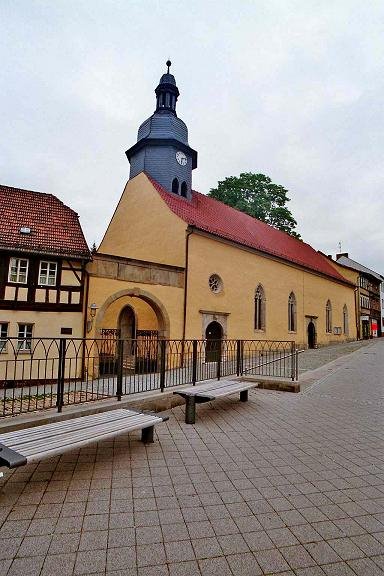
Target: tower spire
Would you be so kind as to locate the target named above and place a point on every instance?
(167, 92)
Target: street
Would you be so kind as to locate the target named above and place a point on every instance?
(289, 484)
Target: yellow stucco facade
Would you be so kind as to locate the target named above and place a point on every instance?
(153, 263)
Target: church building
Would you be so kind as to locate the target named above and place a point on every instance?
(177, 264)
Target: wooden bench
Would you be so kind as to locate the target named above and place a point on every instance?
(210, 391)
(30, 444)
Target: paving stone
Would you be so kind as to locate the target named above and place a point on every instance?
(97, 540)
(297, 556)
(322, 553)
(90, 561)
(179, 553)
(125, 557)
(207, 548)
(365, 567)
(214, 567)
(339, 569)
(26, 566)
(244, 564)
(282, 537)
(9, 547)
(271, 561)
(190, 568)
(62, 564)
(258, 541)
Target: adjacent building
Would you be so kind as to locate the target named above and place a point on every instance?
(367, 296)
(43, 255)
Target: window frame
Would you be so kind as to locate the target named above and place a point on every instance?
(3, 337)
(24, 337)
(259, 321)
(328, 317)
(49, 264)
(292, 313)
(14, 262)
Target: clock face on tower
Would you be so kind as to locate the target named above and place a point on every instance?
(181, 158)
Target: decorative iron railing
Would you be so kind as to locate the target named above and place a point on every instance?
(36, 374)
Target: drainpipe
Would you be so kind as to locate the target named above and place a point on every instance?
(357, 312)
(188, 234)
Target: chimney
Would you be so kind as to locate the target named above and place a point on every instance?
(342, 254)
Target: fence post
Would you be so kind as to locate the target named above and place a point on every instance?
(293, 361)
(119, 360)
(162, 364)
(239, 357)
(194, 361)
(61, 374)
(218, 368)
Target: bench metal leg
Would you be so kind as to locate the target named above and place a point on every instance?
(147, 435)
(190, 410)
(244, 396)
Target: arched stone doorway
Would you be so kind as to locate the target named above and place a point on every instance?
(140, 320)
(154, 303)
(213, 336)
(311, 330)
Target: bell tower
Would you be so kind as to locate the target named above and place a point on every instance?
(162, 149)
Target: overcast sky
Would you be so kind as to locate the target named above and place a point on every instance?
(289, 88)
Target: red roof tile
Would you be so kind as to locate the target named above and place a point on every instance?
(55, 228)
(210, 215)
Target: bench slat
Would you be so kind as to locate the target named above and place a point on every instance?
(215, 391)
(73, 424)
(39, 444)
(52, 439)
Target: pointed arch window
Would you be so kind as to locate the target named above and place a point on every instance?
(345, 320)
(184, 189)
(259, 323)
(292, 321)
(328, 317)
(175, 186)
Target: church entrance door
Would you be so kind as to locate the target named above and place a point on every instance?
(214, 336)
(127, 328)
(311, 335)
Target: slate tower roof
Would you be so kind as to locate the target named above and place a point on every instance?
(162, 149)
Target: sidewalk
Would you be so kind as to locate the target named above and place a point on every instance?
(285, 484)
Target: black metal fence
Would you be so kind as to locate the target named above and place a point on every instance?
(37, 374)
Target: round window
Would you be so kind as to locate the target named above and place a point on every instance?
(215, 283)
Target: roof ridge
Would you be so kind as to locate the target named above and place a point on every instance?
(215, 217)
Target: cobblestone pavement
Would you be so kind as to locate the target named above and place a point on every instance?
(284, 484)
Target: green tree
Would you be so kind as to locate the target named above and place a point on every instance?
(258, 196)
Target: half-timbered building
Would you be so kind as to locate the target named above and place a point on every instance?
(43, 254)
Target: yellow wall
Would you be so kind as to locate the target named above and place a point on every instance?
(241, 272)
(144, 228)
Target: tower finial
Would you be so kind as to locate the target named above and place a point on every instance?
(168, 64)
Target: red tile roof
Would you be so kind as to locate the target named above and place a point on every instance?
(55, 228)
(212, 216)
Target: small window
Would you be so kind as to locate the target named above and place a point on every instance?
(3, 336)
(184, 189)
(292, 312)
(215, 283)
(175, 186)
(18, 270)
(24, 337)
(328, 317)
(47, 273)
(259, 320)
